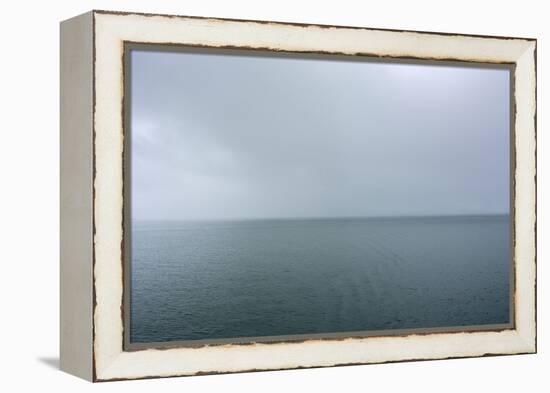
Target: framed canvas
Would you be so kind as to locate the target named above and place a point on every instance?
(243, 195)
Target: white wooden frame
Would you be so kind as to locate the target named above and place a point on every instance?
(92, 48)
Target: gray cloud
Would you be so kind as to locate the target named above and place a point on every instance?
(220, 136)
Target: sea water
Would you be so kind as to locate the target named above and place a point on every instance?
(249, 278)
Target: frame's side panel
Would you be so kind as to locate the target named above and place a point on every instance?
(76, 177)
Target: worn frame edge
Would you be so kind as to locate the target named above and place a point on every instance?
(526, 341)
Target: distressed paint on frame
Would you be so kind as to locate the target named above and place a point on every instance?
(116, 364)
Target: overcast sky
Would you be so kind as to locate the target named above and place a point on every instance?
(219, 136)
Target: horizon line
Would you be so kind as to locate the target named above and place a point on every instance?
(297, 218)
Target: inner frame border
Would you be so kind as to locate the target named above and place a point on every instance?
(129, 46)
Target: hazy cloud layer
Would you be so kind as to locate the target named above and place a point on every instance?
(218, 136)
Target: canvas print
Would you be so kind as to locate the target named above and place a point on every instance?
(275, 196)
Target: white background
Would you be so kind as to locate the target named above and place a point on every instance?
(29, 204)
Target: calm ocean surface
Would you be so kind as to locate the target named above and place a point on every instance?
(226, 279)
